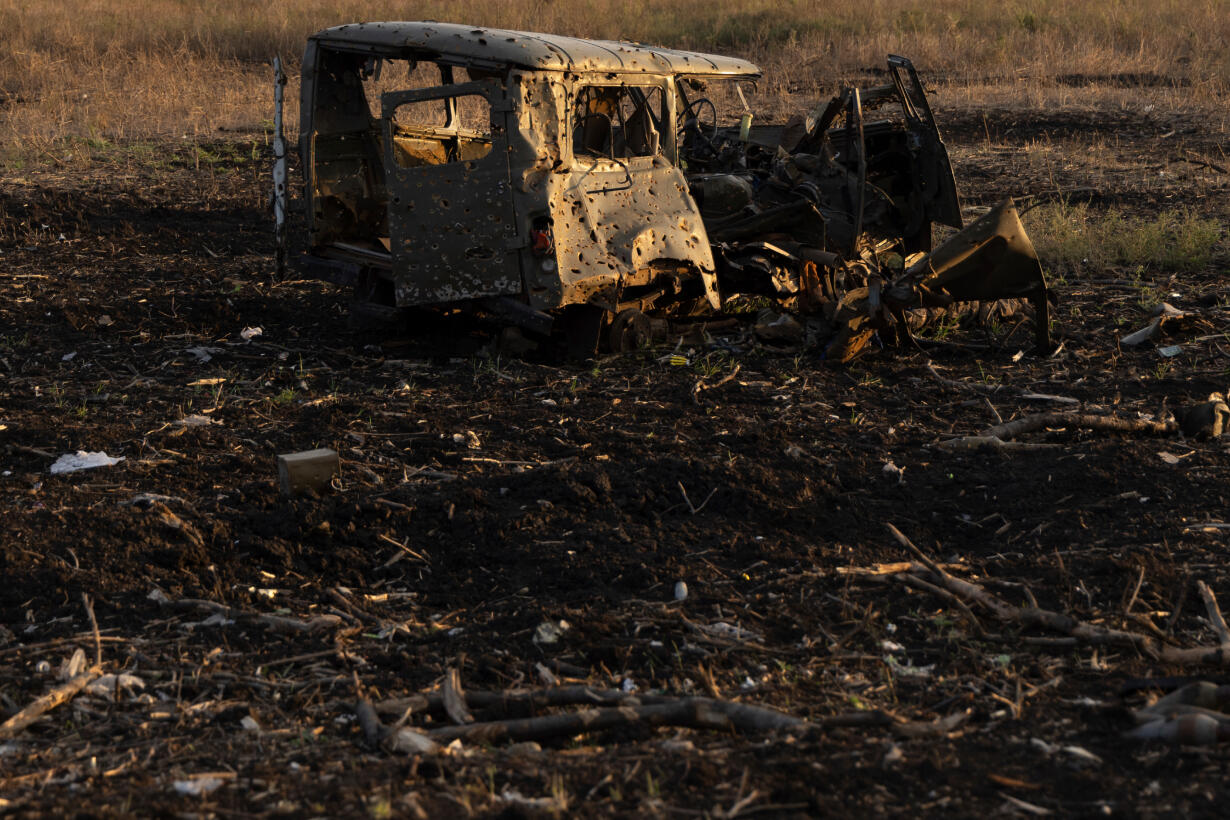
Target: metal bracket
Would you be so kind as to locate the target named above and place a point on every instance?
(280, 193)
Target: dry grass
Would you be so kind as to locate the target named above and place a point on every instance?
(1075, 238)
(151, 69)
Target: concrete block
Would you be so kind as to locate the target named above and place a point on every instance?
(309, 470)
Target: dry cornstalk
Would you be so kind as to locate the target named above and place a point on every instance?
(1000, 437)
(694, 713)
(702, 385)
(276, 623)
(1215, 616)
(89, 610)
(1191, 715)
(60, 695)
(918, 583)
(980, 387)
(522, 703)
(454, 699)
(1081, 631)
(1085, 421)
(373, 730)
(974, 443)
(607, 709)
(972, 387)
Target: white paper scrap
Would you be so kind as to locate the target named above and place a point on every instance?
(81, 460)
(198, 787)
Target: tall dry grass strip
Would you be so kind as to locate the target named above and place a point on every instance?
(151, 69)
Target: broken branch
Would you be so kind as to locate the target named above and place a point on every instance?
(972, 443)
(701, 385)
(89, 610)
(277, 623)
(1215, 616)
(919, 554)
(454, 699)
(60, 695)
(694, 713)
(918, 583)
(973, 387)
(1086, 421)
(1083, 632)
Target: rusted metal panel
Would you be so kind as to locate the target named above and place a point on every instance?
(617, 220)
(280, 192)
(452, 232)
(544, 52)
(615, 228)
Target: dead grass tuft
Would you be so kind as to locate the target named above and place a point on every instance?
(1075, 238)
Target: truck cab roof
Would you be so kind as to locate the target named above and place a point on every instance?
(543, 52)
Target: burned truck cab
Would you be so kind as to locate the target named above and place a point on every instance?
(600, 191)
(520, 173)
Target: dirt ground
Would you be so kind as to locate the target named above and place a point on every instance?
(483, 496)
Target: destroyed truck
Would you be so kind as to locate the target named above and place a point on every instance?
(600, 191)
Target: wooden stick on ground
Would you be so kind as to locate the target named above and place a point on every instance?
(454, 698)
(980, 387)
(695, 713)
(89, 610)
(1000, 437)
(1086, 421)
(918, 583)
(522, 703)
(1215, 616)
(60, 695)
(277, 623)
(702, 385)
(901, 539)
(972, 443)
(373, 730)
(972, 387)
(1086, 633)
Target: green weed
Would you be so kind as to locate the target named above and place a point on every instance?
(1078, 238)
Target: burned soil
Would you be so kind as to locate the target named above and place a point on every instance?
(484, 499)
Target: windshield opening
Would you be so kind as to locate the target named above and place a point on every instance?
(618, 122)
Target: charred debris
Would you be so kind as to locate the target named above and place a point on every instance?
(588, 191)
